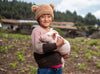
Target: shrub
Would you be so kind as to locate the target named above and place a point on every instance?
(58, 30)
(94, 43)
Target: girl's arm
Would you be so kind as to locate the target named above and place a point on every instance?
(49, 47)
(52, 46)
(40, 47)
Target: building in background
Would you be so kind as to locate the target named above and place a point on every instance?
(67, 27)
(69, 24)
(26, 26)
(22, 26)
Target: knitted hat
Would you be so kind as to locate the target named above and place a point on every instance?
(43, 9)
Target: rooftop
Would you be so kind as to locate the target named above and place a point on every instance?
(63, 23)
(18, 21)
(64, 27)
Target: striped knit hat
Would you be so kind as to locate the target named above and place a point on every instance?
(43, 9)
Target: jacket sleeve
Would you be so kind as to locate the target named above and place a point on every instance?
(49, 47)
(40, 47)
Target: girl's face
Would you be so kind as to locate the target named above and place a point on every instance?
(45, 20)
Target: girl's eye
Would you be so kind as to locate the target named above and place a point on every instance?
(42, 16)
(49, 16)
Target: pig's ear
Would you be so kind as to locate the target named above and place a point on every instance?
(54, 34)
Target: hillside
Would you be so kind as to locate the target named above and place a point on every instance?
(22, 10)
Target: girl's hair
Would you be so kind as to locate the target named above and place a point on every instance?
(38, 20)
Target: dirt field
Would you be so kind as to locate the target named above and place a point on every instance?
(16, 55)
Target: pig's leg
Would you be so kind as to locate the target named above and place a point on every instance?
(63, 62)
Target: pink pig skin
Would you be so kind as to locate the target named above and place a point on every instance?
(49, 38)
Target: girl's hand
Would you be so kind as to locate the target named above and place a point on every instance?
(60, 41)
(66, 56)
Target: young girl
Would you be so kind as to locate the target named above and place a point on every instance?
(48, 60)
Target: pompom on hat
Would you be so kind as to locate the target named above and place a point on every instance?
(42, 9)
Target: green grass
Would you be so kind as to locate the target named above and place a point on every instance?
(98, 64)
(94, 43)
(75, 47)
(88, 56)
(14, 65)
(81, 66)
(15, 36)
(20, 56)
(4, 49)
(34, 69)
(74, 55)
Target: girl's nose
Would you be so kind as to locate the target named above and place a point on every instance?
(46, 17)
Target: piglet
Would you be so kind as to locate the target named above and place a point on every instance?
(51, 37)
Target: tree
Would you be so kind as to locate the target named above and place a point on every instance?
(21, 10)
(0, 0)
(90, 19)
